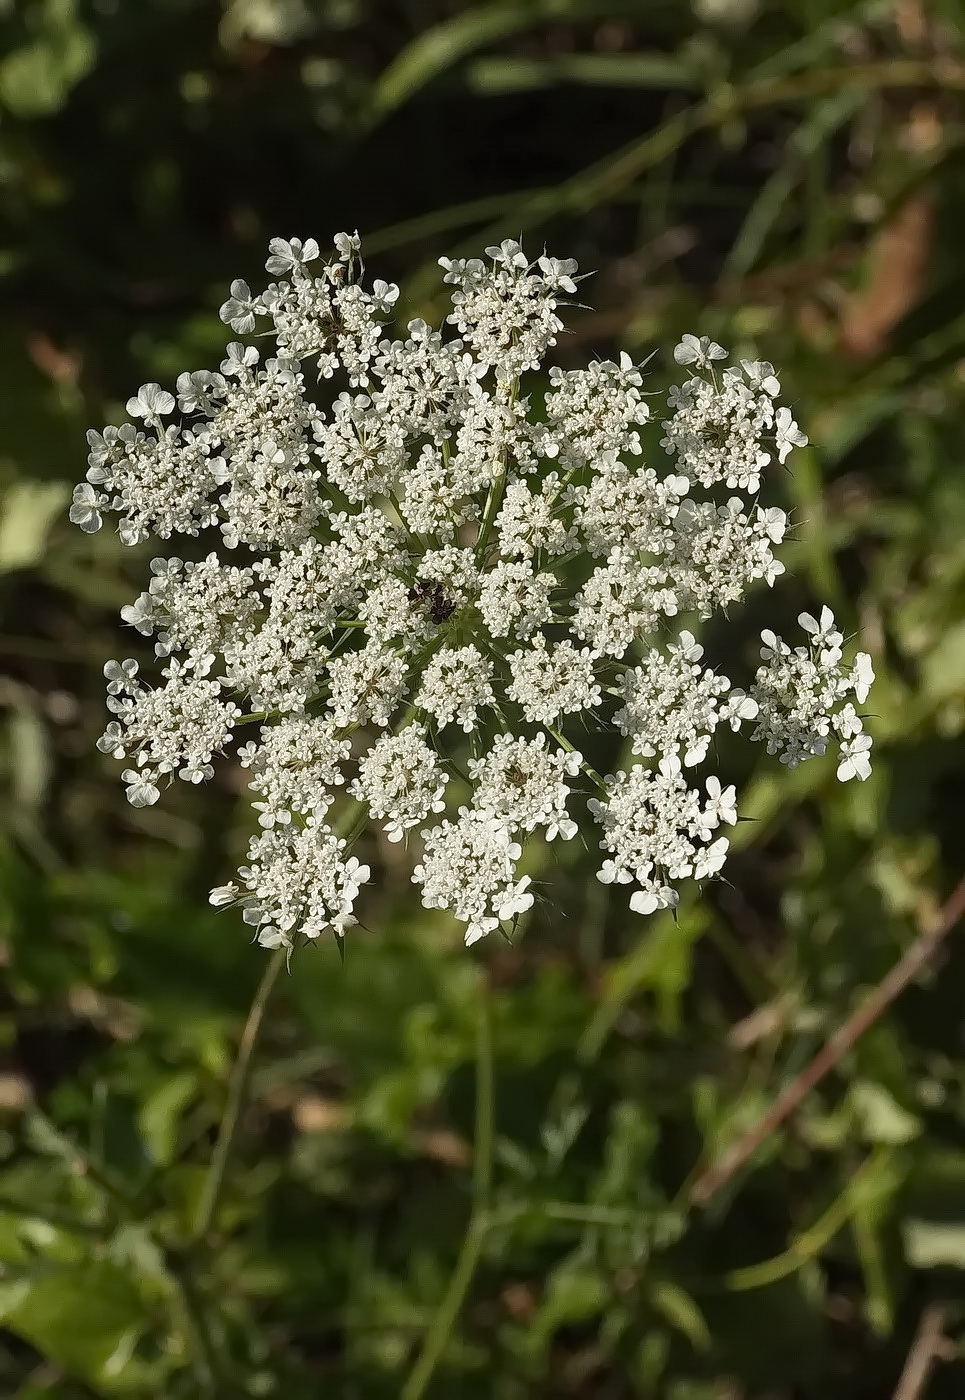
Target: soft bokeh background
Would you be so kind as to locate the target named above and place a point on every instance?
(786, 175)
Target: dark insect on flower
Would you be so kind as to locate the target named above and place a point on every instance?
(423, 588)
(440, 607)
(426, 591)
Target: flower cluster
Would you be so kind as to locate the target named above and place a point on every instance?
(432, 564)
(797, 693)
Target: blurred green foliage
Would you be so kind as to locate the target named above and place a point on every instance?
(786, 175)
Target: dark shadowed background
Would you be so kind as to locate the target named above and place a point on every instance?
(786, 175)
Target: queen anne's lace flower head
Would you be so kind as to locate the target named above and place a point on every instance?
(430, 570)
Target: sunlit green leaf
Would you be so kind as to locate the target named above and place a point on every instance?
(85, 1319)
(36, 79)
(934, 1244)
(26, 513)
(882, 1119)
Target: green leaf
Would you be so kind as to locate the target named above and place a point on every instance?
(29, 508)
(880, 1116)
(160, 1114)
(36, 79)
(574, 1293)
(943, 670)
(85, 1319)
(681, 1312)
(933, 1244)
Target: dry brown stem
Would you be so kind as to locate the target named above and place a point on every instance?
(908, 966)
(930, 1345)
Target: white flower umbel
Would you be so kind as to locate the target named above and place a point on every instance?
(672, 703)
(455, 685)
(402, 780)
(799, 692)
(298, 878)
(434, 576)
(469, 866)
(292, 766)
(521, 781)
(657, 829)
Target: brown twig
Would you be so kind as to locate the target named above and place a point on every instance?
(928, 1347)
(892, 985)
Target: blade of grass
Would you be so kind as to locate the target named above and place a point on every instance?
(439, 220)
(830, 113)
(818, 42)
(438, 49)
(605, 179)
(874, 1178)
(501, 74)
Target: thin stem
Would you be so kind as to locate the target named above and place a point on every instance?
(237, 1091)
(497, 490)
(482, 1161)
(493, 502)
(907, 967)
(812, 1241)
(206, 1358)
(191, 1311)
(591, 773)
(482, 1170)
(930, 1345)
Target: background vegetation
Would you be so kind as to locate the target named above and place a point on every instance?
(786, 175)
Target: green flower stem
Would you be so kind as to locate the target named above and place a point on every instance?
(253, 718)
(482, 1170)
(237, 1092)
(482, 1166)
(493, 502)
(494, 499)
(191, 1313)
(352, 827)
(571, 748)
